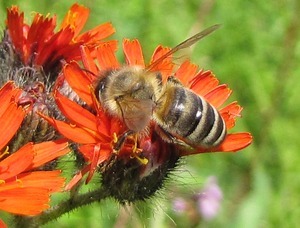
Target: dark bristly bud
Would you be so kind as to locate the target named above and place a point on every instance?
(129, 180)
(37, 88)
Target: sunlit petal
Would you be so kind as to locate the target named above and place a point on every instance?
(88, 62)
(16, 162)
(235, 142)
(78, 80)
(185, 72)
(15, 24)
(204, 82)
(106, 57)
(47, 151)
(24, 201)
(230, 113)
(165, 67)
(11, 120)
(73, 132)
(73, 111)
(76, 18)
(218, 96)
(98, 33)
(133, 53)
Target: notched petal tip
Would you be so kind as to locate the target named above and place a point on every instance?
(186, 71)
(230, 113)
(218, 95)
(133, 52)
(76, 17)
(106, 57)
(203, 82)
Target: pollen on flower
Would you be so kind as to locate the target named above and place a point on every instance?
(115, 137)
(4, 153)
(19, 182)
(143, 161)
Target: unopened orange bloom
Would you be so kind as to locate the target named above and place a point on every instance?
(22, 190)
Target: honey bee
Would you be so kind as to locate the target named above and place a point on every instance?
(137, 96)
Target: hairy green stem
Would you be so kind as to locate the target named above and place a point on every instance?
(74, 202)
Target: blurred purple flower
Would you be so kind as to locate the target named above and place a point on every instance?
(209, 199)
(179, 205)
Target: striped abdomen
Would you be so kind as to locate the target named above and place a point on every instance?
(184, 114)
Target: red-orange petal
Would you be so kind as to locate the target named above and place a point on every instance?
(56, 47)
(185, 72)
(88, 62)
(204, 82)
(230, 113)
(232, 143)
(88, 151)
(218, 96)
(106, 57)
(235, 142)
(94, 162)
(50, 180)
(47, 151)
(16, 162)
(40, 31)
(96, 34)
(6, 96)
(79, 82)
(15, 24)
(76, 18)
(24, 201)
(78, 176)
(233, 108)
(133, 52)
(165, 66)
(72, 132)
(2, 224)
(10, 120)
(76, 113)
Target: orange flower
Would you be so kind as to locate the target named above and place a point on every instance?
(203, 83)
(98, 132)
(22, 190)
(38, 43)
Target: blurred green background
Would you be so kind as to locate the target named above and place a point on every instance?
(257, 53)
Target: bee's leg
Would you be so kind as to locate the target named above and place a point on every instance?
(172, 79)
(120, 141)
(136, 152)
(166, 136)
(169, 138)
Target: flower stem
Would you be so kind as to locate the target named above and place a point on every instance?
(62, 208)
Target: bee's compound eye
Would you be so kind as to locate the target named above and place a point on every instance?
(101, 86)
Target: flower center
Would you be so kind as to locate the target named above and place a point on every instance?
(127, 145)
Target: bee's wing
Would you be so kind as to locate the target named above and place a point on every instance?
(187, 43)
(136, 113)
